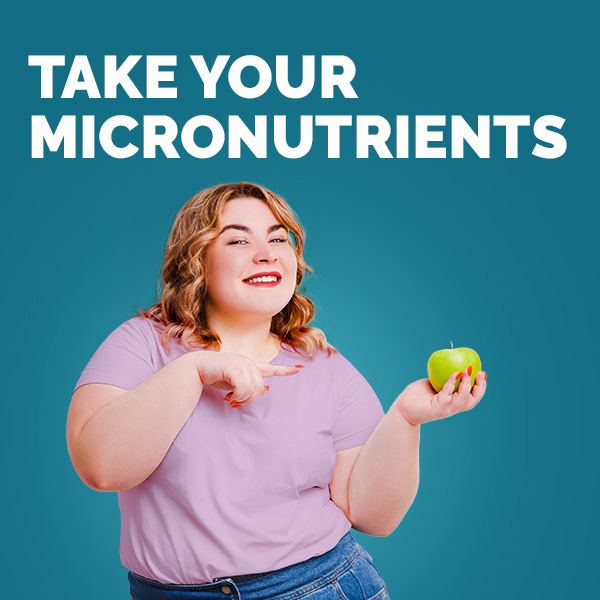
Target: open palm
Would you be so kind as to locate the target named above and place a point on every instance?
(419, 403)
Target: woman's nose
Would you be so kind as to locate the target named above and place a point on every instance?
(265, 253)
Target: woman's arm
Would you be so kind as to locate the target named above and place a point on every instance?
(385, 477)
(126, 438)
(116, 439)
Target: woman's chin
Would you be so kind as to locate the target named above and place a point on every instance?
(267, 307)
(253, 313)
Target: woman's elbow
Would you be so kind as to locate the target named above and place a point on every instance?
(85, 467)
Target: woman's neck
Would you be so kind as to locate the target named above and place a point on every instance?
(254, 341)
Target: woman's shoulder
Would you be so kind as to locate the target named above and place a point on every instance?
(138, 331)
(142, 326)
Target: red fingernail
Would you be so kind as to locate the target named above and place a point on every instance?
(228, 399)
(485, 375)
(299, 366)
(458, 375)
(470, 370)
(267, 388)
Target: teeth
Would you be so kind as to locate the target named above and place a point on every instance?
(262, 279)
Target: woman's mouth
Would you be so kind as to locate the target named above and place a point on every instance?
(264, 280)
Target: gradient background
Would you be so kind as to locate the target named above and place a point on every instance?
(498, 255)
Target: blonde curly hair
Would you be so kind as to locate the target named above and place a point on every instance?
(181, 309)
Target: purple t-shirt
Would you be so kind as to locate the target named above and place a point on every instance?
(241, 490)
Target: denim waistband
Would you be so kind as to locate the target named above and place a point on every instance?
(284, 584)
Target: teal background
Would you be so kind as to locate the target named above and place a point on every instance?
(499, 255)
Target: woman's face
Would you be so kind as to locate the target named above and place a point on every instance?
(251, 243)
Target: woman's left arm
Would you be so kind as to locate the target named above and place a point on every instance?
(384, 480)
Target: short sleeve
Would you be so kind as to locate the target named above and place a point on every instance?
(359, 410)
(124, 359)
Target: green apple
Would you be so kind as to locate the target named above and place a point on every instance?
(443, 363)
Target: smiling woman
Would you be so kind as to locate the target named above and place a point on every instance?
(256, 501)
(221, 237)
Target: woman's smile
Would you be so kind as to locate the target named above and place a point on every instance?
(270, 279)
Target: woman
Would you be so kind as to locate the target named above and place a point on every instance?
(243, 446)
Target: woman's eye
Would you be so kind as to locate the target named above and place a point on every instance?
(244, 242)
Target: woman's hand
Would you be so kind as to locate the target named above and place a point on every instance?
(239, 375)
(419, 403)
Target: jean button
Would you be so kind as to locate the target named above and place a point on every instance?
(226, 589)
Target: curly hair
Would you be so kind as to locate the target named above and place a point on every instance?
(182, 288)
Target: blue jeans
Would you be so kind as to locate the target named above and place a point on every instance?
(344, 573)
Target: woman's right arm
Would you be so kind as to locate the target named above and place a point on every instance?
(116, 438)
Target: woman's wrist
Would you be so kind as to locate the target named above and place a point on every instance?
(197, 360)
(398, 405)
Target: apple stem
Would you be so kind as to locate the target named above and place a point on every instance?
(451, 346)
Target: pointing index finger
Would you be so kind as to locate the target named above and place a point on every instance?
(268, 370)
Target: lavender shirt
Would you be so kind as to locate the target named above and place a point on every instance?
(241, 490)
